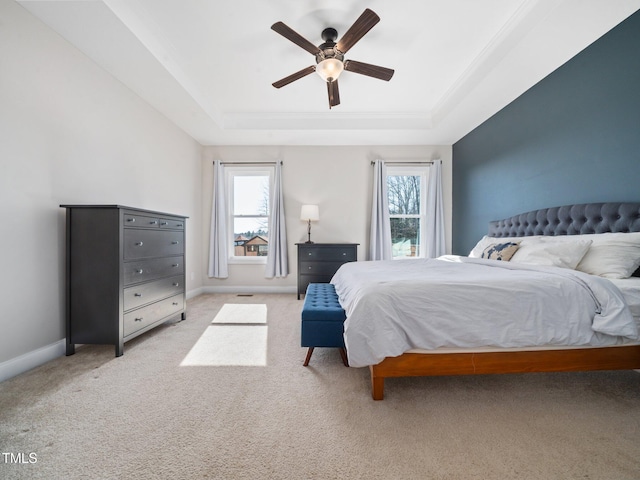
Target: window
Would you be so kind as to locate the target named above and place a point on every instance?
(407, 195)
(248, 194)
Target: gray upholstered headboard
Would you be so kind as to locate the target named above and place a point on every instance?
(577, 219)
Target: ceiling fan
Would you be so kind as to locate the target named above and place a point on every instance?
(330, 55)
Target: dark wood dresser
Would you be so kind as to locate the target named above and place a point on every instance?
(125, 273)
(317, 262)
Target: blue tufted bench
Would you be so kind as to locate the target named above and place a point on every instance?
(322, 320)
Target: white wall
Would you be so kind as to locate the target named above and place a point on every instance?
(337, 179)
(71, 133)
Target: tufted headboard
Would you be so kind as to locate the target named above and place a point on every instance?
(576, 219)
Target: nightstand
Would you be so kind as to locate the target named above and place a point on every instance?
(317, 262)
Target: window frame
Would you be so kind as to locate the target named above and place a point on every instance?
(422, 171)
(245, 171)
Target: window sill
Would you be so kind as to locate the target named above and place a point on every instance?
(247, 261)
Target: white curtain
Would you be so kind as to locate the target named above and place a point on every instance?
(435, 245)
(380, 236)
(277, 261)
(218, 240)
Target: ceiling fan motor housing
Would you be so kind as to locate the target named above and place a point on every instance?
(328, 48)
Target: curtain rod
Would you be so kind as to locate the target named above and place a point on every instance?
(426, 162)
(251, 163)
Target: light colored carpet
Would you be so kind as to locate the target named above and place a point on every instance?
(144, 416)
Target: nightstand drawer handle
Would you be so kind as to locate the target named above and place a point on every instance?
(309, 268)
(175, 303)
(175, 242)
(139, 244)
(131, 220)
(179, 225)
(140, 271)
(139, 319)
(137, 294)
(175, 265)
(176, 284)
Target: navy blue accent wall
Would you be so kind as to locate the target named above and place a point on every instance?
(572, 138)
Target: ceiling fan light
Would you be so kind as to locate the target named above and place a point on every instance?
(330, 68)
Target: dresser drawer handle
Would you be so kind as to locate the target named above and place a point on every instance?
(153, 222)
(175, 242)
(138, 319)
(179, 225)
(140, 271)
(175, 303)
(139, 244)
(175, 265)
(137, 294)
(176, 284)
(164, 223)
(344, 254)
(309, 268)
(131, 219)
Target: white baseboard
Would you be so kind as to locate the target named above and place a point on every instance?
(249, 289)
(27, 361)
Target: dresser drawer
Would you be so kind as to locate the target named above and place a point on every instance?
(145, 316)
(138, 271)
(338, 254)
(140, 221)
(144, 293)
(152, 243)
(172, 223)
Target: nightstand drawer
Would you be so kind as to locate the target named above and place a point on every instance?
(338, 254)
(319, 268)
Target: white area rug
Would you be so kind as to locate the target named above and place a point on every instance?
(230, 345)
(233, 313)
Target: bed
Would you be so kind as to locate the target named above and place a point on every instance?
(394, 342)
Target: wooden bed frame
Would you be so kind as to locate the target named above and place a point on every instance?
(425, 364)
(567, 220)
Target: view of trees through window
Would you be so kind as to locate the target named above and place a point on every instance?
(404, 195)
(250, 215)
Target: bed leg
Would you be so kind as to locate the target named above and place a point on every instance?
(377, 386)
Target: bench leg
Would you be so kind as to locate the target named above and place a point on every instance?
(343, 354)
(306, 360)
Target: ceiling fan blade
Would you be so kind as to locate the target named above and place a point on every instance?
(295, 37)
(295, 76)
(369, 70)
(334, 93)
(362, 25)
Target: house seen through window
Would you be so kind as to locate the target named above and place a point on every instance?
(407, 194)
(248, 196)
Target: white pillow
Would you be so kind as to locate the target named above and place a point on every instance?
(612, 255)
(550, 252)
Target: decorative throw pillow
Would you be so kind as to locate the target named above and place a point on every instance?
(500, 251)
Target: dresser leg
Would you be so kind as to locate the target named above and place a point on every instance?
(183, 316)
(71, 348)
(119, 349)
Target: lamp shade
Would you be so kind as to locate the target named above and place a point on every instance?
(310, 213)
(330, 68)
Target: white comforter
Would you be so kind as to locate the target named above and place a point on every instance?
(395, 306)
